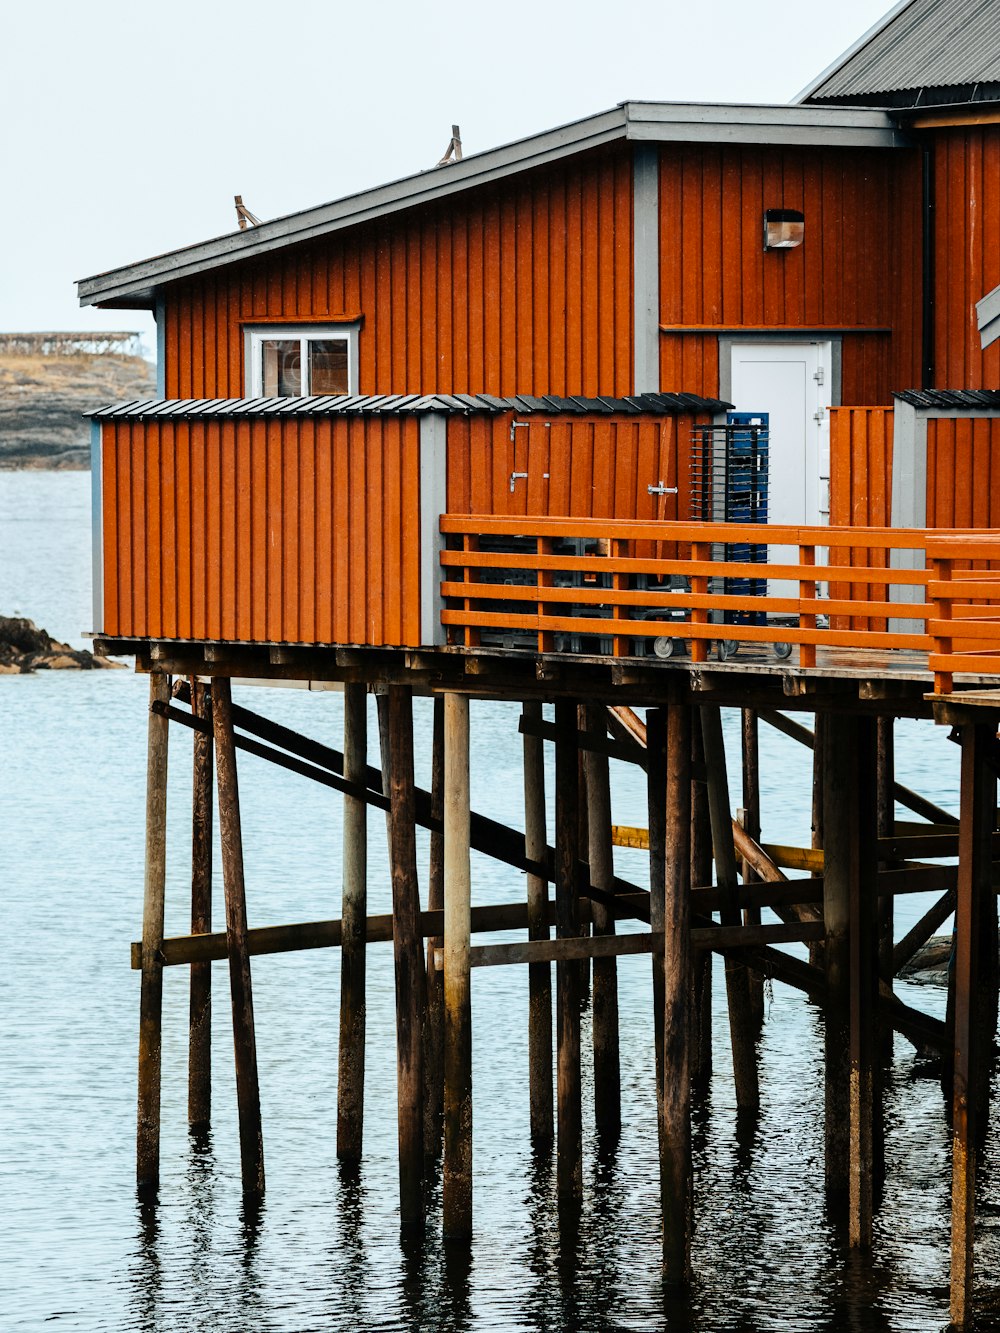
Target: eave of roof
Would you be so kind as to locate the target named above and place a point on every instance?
(988, 317)
(135, 285)
(409, 404)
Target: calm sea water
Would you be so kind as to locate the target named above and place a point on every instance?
(78, 1252)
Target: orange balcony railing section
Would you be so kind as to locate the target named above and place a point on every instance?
(547, 583)
(964, 590)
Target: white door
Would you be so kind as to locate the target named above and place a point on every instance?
(791, 382)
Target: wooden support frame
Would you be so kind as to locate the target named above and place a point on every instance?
(539, 974)
(408, 951)
(741, 1020)
(434, 1017)
(604, 996)
(457, 1182)
(244, 1038)
(569, 1127)
(351, 1048)
(975, 990)
(675, 1165)
(151, 988)
(200, 1001)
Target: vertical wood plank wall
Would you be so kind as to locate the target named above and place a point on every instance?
(288, 531)
(966, 253)
(524, 287)
(860, 495)
(597, 468)
(859, 264)
(963, 472)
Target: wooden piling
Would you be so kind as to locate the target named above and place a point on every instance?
(604, 996)
(701, 873)
(741, 1021)
(351, 1056)
(750, 819)
(569, 1138)
(539, 974)
(200, 1005)
(656, 787)
(885, 780)
(408, 953)
(151, 988)
(675, 1165)
(244, 1040)
(975, 946)
(457, 1182)
(851, 955)
(434, 1015)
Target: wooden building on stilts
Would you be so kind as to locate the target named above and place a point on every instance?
(459, 436)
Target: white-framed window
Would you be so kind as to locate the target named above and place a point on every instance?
(300, 360)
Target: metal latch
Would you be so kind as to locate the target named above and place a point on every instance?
(660, 489)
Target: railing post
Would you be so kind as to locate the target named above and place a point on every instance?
(807, 621)
(470, 542)
(699, 587)
(941, 646)
(619, 643)
(546, 640)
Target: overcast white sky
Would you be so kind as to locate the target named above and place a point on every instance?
(127, 127)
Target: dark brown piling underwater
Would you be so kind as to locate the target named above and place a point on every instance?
(151, 987)
(244, 1039)
(200, 1004)
(351, 1057)
(457, 1182)
(539, 974)
(408, 949)
(569, 1135)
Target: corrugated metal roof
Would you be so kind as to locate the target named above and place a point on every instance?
(976, 400)
(657, 404)
(924, 44)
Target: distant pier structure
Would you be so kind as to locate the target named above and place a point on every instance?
(72, 343)
(676, 409)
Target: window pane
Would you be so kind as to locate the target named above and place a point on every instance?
(281, 366)
(327, 365)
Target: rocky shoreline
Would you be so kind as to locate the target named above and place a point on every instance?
(25, 648)
(43, 398)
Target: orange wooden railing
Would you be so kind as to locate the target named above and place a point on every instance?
(598, 594)
(964, 591)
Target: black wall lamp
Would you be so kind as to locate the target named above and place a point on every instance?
(784, 228)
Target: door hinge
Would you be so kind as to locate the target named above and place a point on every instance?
(660, 489)
(820, 376)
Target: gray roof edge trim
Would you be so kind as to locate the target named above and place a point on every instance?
(851, 51)
(394, 196)
(777, 114)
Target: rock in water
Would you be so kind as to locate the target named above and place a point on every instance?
(24, 647)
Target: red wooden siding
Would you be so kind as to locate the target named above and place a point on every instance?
(262, 531)
(966, 253)
(963, 472)
(597, 467)
(524, 287)
(859, 267)
(860, 496)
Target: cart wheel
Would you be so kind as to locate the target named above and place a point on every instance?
(728, 648)
(665, 647)
(782, 650)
